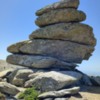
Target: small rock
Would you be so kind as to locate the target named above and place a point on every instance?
(95, 80)
(61, 99)
(58, 5)
(60, 16)
(5, 73)
(60, 93)
(8, 88)
(19, 76)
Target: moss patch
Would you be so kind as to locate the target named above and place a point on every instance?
(29, 94)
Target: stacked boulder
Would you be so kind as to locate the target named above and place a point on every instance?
(53, 51)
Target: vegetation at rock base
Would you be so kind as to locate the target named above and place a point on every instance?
(2, 96)
(29, 94)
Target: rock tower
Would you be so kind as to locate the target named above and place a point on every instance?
(54, 50)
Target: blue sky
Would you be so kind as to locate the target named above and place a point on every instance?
(17, 22)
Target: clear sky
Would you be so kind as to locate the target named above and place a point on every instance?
(17, 22)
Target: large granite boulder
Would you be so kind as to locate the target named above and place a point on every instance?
(76, 32)
(19, 76)
(39, 62)
(58, 5)
(62, 50)
(60, 93)
(60, 16)
(8, 88)
(53, 80)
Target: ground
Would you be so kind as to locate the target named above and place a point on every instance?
(91, 93)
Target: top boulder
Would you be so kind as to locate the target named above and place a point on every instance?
(59, 5)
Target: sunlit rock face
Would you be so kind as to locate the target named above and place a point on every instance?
(51, 54)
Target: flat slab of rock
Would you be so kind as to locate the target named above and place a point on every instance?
(19, 76)
(60, 16)
(60, 93)
(59, 5)
(8, 88)
(53, 80)
(62, 50)
(75, 32)
(33, 61)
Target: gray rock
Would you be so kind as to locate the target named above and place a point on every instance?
(60, 16)
(53, 80)
(62, 50)
(61, 99)
(19, 76)
(5, 73)
(95, 80)
(58, 5)
(48, 99)
(16, 46)
(86, 80)
(76, 32)
(60, 93)
(39, 62)
(8, 88)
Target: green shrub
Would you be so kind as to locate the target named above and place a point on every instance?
(29, 94)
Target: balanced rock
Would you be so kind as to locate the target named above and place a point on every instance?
(53, 80)
(8, 88)
(62, 50)
(33, 61)
(60, 16)
(76, 32)
(60, 93)
(58, 5)
(19, 76)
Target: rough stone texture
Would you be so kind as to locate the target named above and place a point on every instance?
(8, 88)
(5, 73)
(39, 62)
(95, 80)
(60, 93)
(75, 32)
(16, 46)
(61, 99)
(19, 76)
(53, 80)
(60, 16)
(58, 5)
(62, 50)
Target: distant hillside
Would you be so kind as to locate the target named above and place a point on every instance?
(4, 65)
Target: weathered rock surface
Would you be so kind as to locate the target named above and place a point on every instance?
(60, 16)
(19, 76)
(95, 80)
(8, 88)
(39, 62)
(53, 80)
(60, 93)
(75, 32)
(58, 5)
(62, 50)
(5, 73)
(61, 99)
